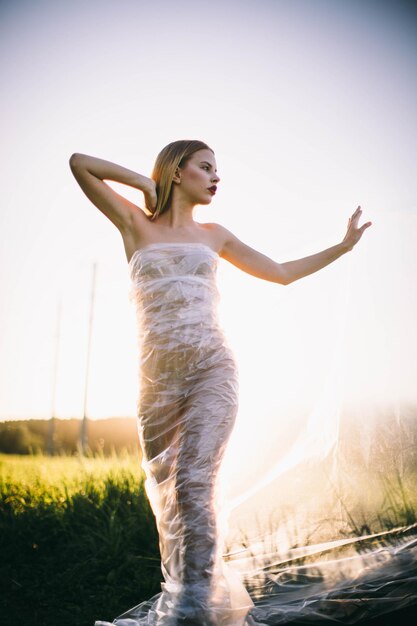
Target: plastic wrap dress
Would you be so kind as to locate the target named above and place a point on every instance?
(187, 407)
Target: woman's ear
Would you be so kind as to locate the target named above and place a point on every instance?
(177, 176)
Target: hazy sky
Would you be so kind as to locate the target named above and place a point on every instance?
(310, 109)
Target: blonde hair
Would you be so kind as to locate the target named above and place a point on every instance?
(174, 155)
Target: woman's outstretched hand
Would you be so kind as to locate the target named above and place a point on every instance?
(354, 233)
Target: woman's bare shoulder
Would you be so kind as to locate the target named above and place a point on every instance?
(221, 235)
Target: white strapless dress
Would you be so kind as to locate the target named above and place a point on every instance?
(187, 405)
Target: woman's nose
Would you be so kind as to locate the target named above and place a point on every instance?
(216, 178)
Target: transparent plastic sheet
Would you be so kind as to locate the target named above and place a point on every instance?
(186, 412)
(328, 533)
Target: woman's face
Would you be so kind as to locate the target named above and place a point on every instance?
(198, 178)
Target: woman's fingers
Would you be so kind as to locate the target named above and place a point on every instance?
(354, 232)
(355, 216)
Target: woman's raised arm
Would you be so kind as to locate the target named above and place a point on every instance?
(90, 173)
(257, 264)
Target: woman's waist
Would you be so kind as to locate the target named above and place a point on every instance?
(179, 332)
(167, 320)
(176, 356)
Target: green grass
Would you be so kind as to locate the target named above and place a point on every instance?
(77, 538)
(79, 543)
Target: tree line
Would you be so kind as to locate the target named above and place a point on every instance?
(35, 436)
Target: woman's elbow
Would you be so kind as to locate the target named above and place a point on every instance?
(282, 277)
(74, 160)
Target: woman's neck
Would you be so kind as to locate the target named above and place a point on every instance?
(177, 217)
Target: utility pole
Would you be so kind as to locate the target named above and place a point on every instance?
(84, 433)
(51, 424)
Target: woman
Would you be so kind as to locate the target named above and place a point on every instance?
(188, 377)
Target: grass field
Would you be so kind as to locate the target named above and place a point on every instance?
(79, 543)
(77, 538)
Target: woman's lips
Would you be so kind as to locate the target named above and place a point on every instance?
(212, 190)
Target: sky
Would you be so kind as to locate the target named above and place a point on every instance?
(310, 109)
